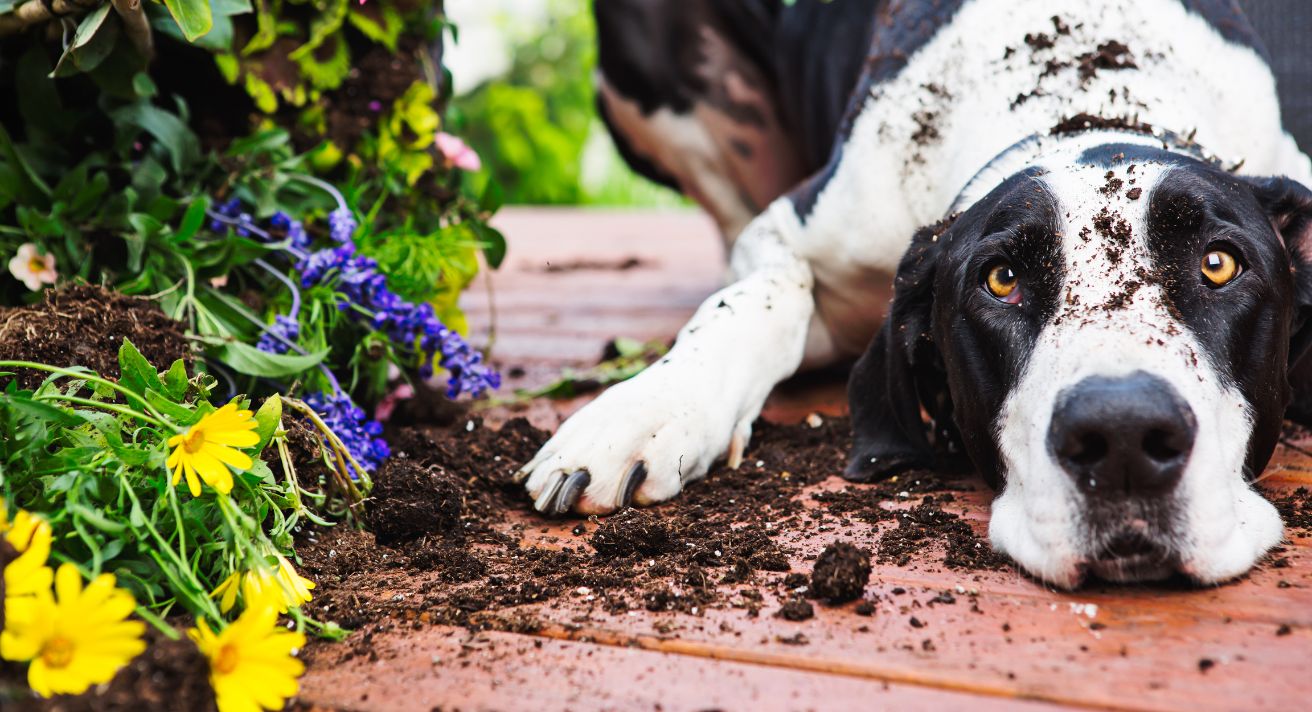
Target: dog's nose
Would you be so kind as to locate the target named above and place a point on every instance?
(1127, 436)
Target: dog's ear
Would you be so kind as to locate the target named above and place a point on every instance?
(900, 372)
(1288, 205)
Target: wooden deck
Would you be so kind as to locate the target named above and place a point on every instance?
(1006, 641)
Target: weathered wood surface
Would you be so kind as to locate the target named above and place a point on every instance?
(1007, 642)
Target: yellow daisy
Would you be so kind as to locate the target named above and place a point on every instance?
(30, 536)
(76, 637)
(286, 587)
(252, 661)
(208, 449)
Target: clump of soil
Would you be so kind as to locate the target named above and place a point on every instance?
(634, 531)
(796, 609)
(840, 573)
(85, 326)
(1110, 55)
(170, 675)
(411, 501)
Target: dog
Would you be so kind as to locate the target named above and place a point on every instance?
(1106, 315)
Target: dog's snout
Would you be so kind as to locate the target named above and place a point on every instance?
(1121, 437)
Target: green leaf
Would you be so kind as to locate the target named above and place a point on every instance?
(180, 415)
(326, 22)
(327, 70)
(492, 199)
(192, 219)
(91, 44)
(136, 373)
(250, 361)
(493, 243)
(268, 418)
(175, 381)
(171, 132)
(143, 85)
(193, 17)
(380, 23)
(26, 185)
(266, 27)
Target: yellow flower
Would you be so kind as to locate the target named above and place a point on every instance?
(207, 449)
(76, 637)
(30, 536)
(252, 661)
(285, 587)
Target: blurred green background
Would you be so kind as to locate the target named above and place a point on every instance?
(524, 100)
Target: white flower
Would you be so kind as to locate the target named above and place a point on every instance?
(33, 269)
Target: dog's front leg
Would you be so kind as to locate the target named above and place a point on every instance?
(643, 439)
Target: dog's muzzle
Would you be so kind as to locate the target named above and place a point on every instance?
(1125, 443)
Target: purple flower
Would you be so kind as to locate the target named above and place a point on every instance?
(283, 326)
(350, 424)
(229, 209)
(341, 224)
(408, 325)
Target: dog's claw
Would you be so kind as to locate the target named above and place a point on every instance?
(637, 475)
(546, 499)
(568, 493)
(738, 444)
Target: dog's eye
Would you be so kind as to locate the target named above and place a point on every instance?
(1220, 268)
(1003, 283)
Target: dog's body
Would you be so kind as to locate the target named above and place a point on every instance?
(1032, 118)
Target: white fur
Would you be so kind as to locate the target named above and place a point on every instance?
(831, 271)
(682, 413)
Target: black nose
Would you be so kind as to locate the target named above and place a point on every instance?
(1126, 436)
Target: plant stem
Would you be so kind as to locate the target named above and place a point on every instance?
(121, 410)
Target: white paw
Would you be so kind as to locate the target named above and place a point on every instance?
(639, 443)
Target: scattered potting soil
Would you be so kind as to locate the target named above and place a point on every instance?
(85, 326)
(840, 573)
(730, 541)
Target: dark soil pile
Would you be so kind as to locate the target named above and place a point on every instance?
(411, 501)
(170, 675)
(85, 326)
(840, 573)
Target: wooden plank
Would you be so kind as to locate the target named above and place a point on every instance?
(451, 669)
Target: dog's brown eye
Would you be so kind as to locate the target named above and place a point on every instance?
(1220, 268)
(1003, 283)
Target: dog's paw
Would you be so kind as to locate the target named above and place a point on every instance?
(639, 443)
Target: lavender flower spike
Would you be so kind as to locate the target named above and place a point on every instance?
(341, 224)
(349, 422)
(280, 336)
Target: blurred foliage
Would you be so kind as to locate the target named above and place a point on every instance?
(537, 127)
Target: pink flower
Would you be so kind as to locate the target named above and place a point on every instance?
(33, 269)
(219, 282)
(457, 153)
(383, 411)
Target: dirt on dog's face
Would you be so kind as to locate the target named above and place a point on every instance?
(1107, 335)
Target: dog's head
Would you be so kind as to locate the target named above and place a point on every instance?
(1109, 338)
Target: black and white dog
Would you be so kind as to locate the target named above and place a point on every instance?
(1106, 314)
